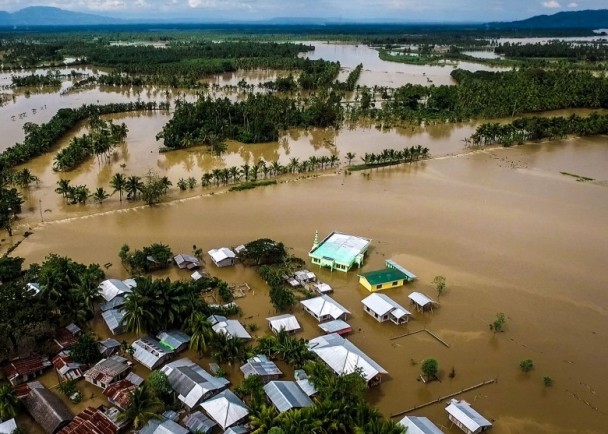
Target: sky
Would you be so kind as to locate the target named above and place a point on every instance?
(346, 10)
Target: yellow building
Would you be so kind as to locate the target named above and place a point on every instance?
(393, 276)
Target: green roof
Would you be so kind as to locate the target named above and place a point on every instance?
(379, 277)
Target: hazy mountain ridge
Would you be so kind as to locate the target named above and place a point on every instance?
(50, 16)
(588, 19)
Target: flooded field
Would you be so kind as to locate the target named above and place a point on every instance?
(509, 232)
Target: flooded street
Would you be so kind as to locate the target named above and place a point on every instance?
(507, 230)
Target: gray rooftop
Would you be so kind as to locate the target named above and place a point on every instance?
(113, 319)
(46, 408)
(155, 426)
(334, 326)
(197, 421)
(286, 395)
(173, 338)
(149, 352)
(419, 425)
(382, 304)
(226, 409)
(463, 412)
(260, 365)
(393, 264)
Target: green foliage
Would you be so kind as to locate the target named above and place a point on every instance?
(253, 184)
(9, 404)
(143, 407)
(225, 293)
(68, 388)
(154, 257)
(291, 350)
(282, 298)
(85, 350)
(251, 389)
(227, 349)
(154, 188)
(430, 368)
(10, 268)
(526, 365)
(389, 157)
(499, 323)
(264, 251)
(160, 386)
(439, 282)
(37, 80)
(548, 381)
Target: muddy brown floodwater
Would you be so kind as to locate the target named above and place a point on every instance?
(508, 231)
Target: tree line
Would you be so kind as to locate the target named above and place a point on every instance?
(555, 49)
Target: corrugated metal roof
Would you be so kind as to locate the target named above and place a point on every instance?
(135, 379)
(218, 255)
(155, 426)
(323, 306)
(8, 427)
(286, 395)
(379, 277)
(343, 356)
(307, 387)
(149, 352)
(231, 327)
(115, 303)
(409, 274)
(191, 382)
(285, 322)
(226, 409)
(420, 299)
(260, 365)
(335, 326)
(197, 421)
(464, 413)
(419, 425)
(323, 288)
(113, 319)
(112, 287)
(173, 339)
(341, 247)
(382, 304)
(238, 429)
(106, 370)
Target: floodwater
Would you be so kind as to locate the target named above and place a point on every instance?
(507, 230)
(483, 54)
(377, 72)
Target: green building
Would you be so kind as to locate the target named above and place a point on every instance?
(339, 251)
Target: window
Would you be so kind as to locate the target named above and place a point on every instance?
(379, 286)
(395, 283)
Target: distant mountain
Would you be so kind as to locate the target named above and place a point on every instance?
(49, 16)
(589, 19)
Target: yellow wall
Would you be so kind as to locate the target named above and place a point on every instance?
(363, 281)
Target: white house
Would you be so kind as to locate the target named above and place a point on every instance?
(222, 257)
(419, 425)
(230, 327)
(464, 417)
(226, 409)
(421, 301)
(382, 308)
(113, 287)
(325, 308)
(286, 322)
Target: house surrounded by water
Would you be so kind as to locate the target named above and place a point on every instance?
(392, 276)
(339, 251)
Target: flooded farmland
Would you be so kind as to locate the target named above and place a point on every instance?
(513, 230)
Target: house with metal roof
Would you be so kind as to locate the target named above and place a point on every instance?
(163, 426)
(174, 340)
(197, 422)
(92, 421)
(336, 326)
(116, 303)
(339, 251)
(230, 327)
(111, 288)
(421, 301)
(286, 322)
(135, 379)
(343, 357)
(119, 393)
(466, 418)
(113, 319)
(324, 308)
(222, 257)
(226, 409)
(286, 395)
(8, 426)
(383, 308)
(46, 408)
(261, 365)
(419, 425)
(392, 276)
(108, 347)
(66, 367)
(66, 337)
(107, 371)
(192, 383)
(150, 352)
(304, 276)
(23, 369)
(323, 288)
(186, 262)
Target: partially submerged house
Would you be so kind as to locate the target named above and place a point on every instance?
(66, 337)
(187, 262)
(262, 366)
(286, 322)
(336, 326)
(343, 357)
(163, 426)
(111, 288)
(150, 352)
(323, 288)
(192, 383)
(286, 395)
(46, 408)
(107, 371)
(421, 301)
(23, 369)
(66, 367)
(304, 276)
(226, 409)
(92, 421)
(325, 308)
(174, 340)
(197, 422)
(419, 425)
(119, 393)
(392, 276)
(222, 257)
(108, 347)
(383, 308)
(339, 251)
(113, 319)
(466, 418)
(230, 327)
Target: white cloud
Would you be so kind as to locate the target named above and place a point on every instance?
(552, 4)
(572, 5)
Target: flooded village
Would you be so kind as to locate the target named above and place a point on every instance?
(464, 289)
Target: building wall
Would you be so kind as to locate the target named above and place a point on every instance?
(373, 288)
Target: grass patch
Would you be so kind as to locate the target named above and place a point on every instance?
(578, 177)
(410, 60)
(252, 184)
(360, 167)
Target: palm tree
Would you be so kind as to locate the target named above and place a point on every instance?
(100, 195)
(333, 160)
(264, 419)
(206, 179)
(350, 156)
(118, 183)
(8, 402)
(234, 172)
(245, 170)
(141, 409)
(200, 331)
(63, 187)
(137, 316)
(276, 168)
(133, 187)
(166, 183)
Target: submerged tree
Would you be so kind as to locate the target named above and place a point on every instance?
(439, 282)
(498, 324)
(430, 368)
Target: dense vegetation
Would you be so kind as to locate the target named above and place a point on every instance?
(153, 257)
(36, 80)
(555, 49)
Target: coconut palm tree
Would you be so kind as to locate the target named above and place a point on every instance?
(141, 409)
(264, 419)
(166, 183)
(63, 187)
(200, 331)
(8, 402)
(137, 315)
(133, 187)
(100, 195)
(350, 156)
(119, 183)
